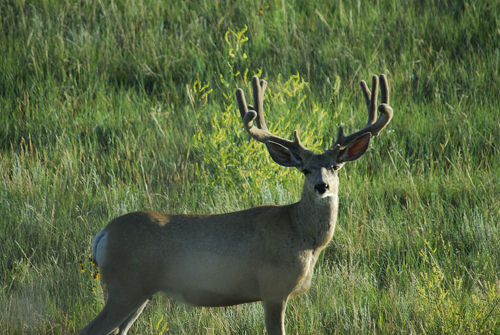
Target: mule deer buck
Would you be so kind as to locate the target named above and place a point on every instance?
(265, 253)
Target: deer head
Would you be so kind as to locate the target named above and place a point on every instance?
(320, 169)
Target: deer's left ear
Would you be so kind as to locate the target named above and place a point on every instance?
(355, 149)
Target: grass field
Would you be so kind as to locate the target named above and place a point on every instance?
(108, 107)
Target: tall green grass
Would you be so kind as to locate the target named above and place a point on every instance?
(114, 106)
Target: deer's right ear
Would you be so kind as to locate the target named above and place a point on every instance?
(282, 155)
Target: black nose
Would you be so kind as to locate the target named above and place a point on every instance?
(321, 187)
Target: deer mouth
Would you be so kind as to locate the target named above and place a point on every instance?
(326, 195)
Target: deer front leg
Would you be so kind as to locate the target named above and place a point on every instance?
(274, 314)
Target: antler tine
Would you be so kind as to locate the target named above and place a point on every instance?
(372, 126)
(340, 136)
(384, 107)
(371, 98)
(385, 89)
(258, 88)
(250, 113)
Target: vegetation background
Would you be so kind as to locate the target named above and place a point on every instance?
(114, 106)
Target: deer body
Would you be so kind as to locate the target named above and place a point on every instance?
(237, 254)
(265, 253)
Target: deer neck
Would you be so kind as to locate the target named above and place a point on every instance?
(315, 218)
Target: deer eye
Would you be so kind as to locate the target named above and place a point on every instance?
(306, 171)
(334, 167)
